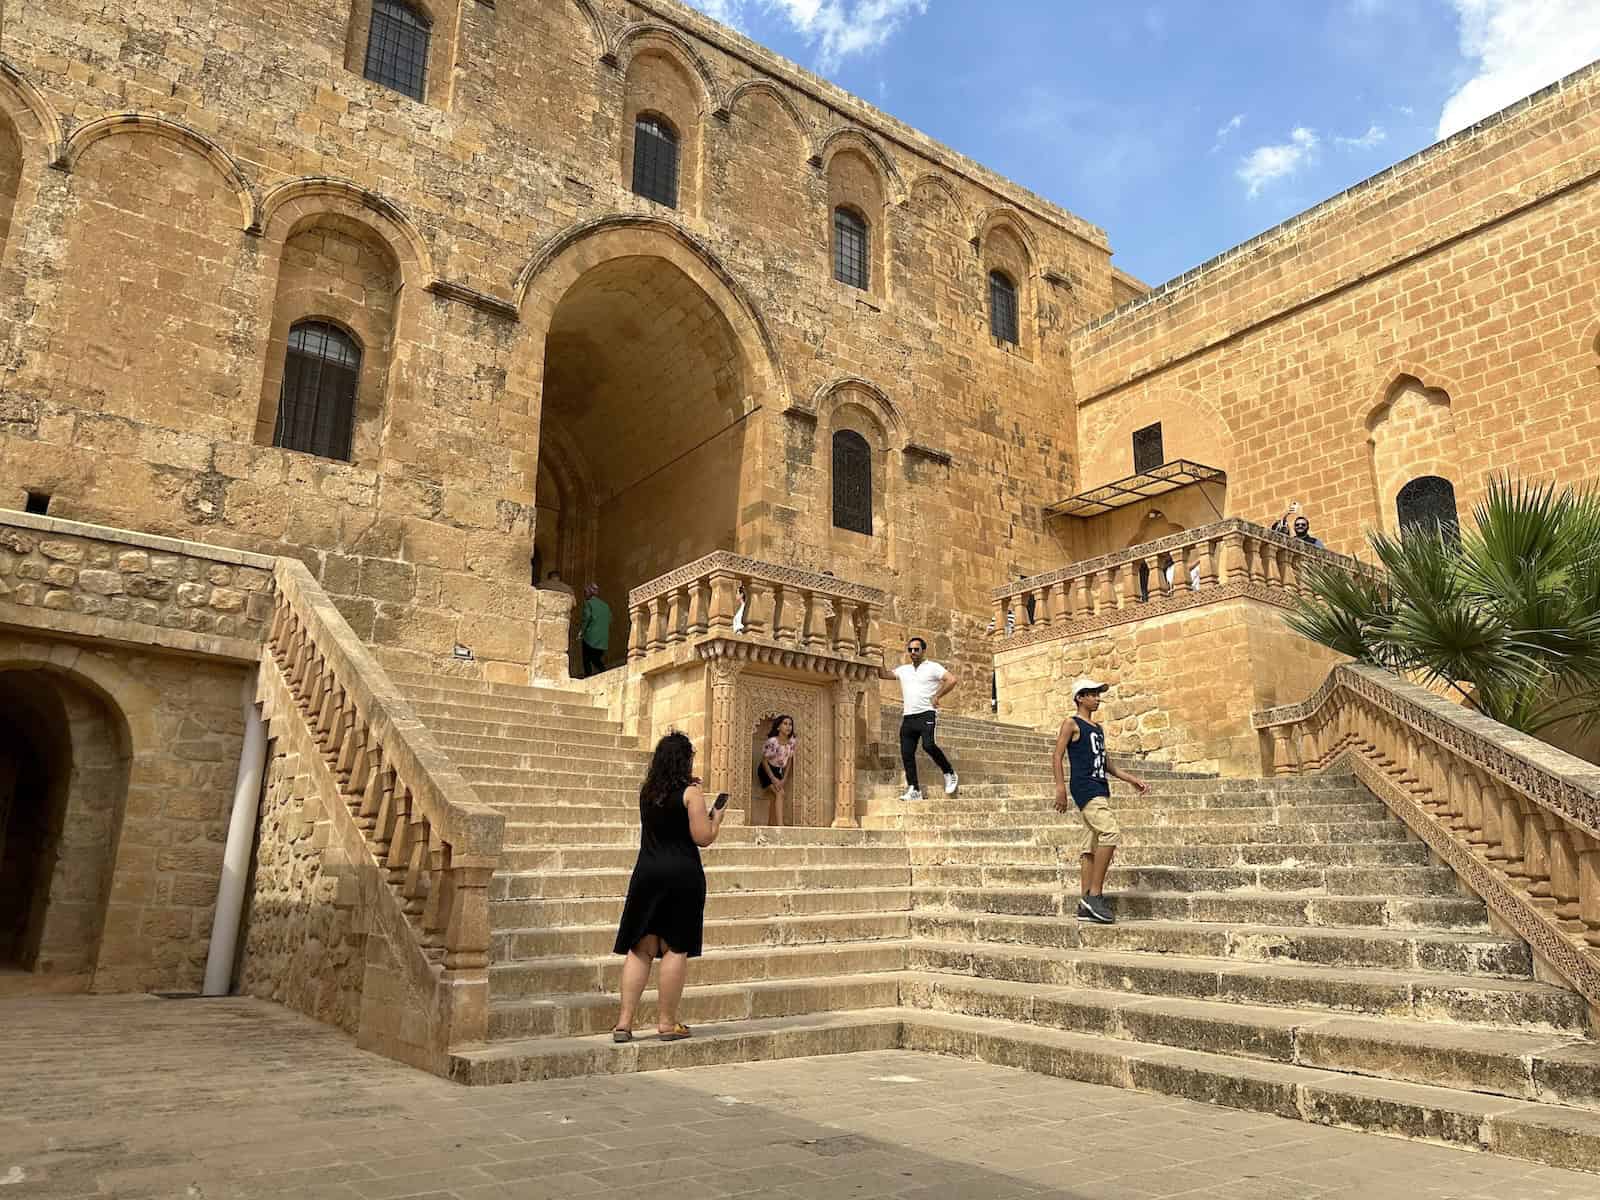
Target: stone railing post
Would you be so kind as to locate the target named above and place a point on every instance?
(870, 632)
(638, 633)
(1208, 563)
(814, 636)
(724, 601)
(785, 601)
(699, 608)
(1588, 853)
(724, 700)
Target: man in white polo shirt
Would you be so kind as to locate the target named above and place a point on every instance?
(922, 685)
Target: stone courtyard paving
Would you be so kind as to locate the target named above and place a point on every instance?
(201, 1099)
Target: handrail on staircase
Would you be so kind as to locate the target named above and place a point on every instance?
(437, 842)
(1517, 819)
(1225, 559)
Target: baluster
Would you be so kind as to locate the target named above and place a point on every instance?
(415, 885)
(1511, 834)
(814, 634)
(352, 745)
(1494, 822)
(435, 905)
(1536, 851)
(677, 602)
(1472, 811)
(371, 786)
(1085, 589)
(724, 601)
(1208, 563)
(784, 628)
(400, 832)
(638, 633)
(280, 623)
(1105, 597)
(844, 632)
(1060, 603)
(699, 607)
(1588, 852)
(1001, 607)
(870, 632)
(1563, 871)
(656, 624)
(758, 608)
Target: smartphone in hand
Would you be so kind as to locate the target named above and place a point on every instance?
(721, 802)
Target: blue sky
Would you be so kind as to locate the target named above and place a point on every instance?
(1181, 128)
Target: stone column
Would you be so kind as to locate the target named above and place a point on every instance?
(724, 707)
(1282, 761)
(844, 755)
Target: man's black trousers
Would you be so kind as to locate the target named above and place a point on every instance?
(918, 727)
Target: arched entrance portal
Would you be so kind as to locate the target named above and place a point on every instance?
(63, 781)
(643, 423)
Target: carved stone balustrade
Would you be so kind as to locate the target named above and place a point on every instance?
(432, 844)
(726, 641)
(1225, 560)
(1517, 819)
(784, 609)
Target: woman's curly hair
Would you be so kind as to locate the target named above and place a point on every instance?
(671, 770)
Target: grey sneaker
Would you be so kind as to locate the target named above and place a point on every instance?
(1093, 908)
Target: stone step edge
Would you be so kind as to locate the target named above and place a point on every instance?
(1547, 1134)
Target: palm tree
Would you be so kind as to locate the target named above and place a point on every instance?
(1506, 613)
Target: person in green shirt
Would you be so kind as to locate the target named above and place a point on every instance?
(594, 630)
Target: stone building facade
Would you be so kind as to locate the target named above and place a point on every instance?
(599, 286)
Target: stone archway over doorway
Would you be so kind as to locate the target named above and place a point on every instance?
(64, 761)
(653, 370)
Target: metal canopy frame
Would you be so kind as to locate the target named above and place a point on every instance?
(1146, 485)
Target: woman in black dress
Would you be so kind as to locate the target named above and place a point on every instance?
(666, 906)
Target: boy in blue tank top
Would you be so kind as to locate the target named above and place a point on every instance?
(1081, 745)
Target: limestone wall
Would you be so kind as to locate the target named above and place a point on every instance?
(1437, 319)
(1183, 685)
(166, 257)
(155, 738)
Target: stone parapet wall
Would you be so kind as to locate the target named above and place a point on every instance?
(115, 584)
(1183, 685)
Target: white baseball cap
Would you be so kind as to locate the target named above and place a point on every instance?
(1086, 684)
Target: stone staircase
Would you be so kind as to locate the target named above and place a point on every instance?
(1281, 945)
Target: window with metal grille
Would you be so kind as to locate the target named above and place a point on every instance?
(655, 161)
(317, 407)
(852, 482)
(849, 248)
(1148, 453)
(397, 48)
(1002, 307)
(1428, 503)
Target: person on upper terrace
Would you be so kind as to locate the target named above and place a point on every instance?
(1296, 524)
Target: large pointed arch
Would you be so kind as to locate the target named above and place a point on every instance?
(556, 266)
(852, 136)
(1003, 216)
(767, 88)
(669, 41)
(32, 116)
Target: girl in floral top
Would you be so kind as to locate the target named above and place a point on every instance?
(773, 772)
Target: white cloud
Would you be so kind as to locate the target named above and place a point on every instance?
(1374, 136)
(837, 28)
(1518, 46)
(1266, 164)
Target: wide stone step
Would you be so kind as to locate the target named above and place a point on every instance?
(724, 1041)
(1151, 815)
(1430, 996)
(979, 854)
(407, 681)
(1201, 835)
(544, 704)
(1545, 1133)
(719, 933)
(617, 764)
(1548, 1067)
(556, 731)
(514, 883)
(1460, 914)
(723, 854)
(1476, 954)
(764, 964)
(528, 915)
(555, 742)
(1038, 797)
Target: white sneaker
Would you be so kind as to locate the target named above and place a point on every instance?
(950, 784)
(912, 793)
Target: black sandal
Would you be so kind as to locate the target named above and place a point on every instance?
(621, 1035)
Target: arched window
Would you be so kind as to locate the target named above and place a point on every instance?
(397, 48)
(655, 161)
(1427, 503)
(316, 411)
(852, 482)
(1002, 307)
(849, 248)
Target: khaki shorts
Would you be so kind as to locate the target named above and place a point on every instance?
(1100, 826)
